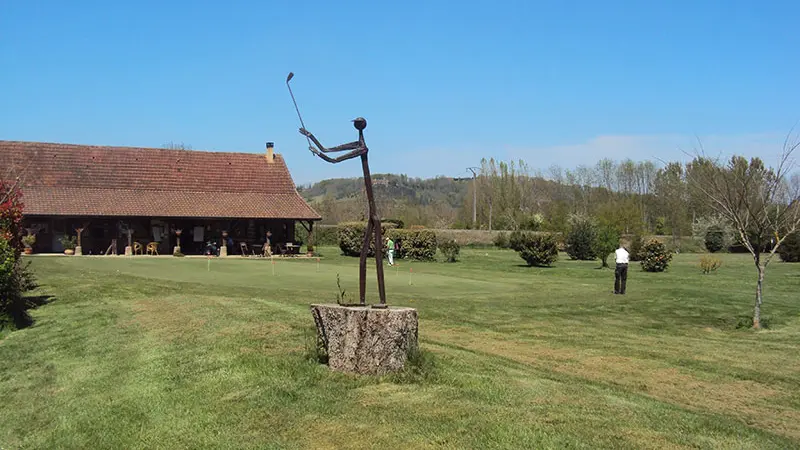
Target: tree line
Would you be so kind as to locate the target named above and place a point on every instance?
(633, 196)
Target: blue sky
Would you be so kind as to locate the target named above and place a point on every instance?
(441, 84)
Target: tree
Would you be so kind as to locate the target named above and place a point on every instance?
(606, 242)
(670, 189)
(581, 239)
(762, 204)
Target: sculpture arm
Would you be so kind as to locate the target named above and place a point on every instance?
(357, 152)
(338, 148)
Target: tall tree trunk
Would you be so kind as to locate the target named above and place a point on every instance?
(490, 215)
(757, 308)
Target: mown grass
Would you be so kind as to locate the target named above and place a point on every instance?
(163, 353)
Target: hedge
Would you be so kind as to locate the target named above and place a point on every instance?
(419, 244)
(351, 237)
(415, 244)
(326, 235)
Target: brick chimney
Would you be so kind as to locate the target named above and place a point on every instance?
(270, 152)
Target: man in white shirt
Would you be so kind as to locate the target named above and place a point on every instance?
(621, 272)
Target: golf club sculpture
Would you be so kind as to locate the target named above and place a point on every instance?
(356, 148)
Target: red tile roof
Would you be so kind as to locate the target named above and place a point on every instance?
(82, 180)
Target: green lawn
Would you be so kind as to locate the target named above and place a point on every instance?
(162, 353)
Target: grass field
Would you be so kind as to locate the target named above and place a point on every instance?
(162, 353)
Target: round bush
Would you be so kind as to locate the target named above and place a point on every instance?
(581, 239)
(714, 239)
(790, 248)
(655, 257)
(537, 249)
(450, 249)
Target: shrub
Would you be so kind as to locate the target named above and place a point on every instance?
(714, 239)
(605, 243)
(11, 216)
(537, 249)
(790, 248)
(655, 257)
(418, 244)
(501, 240)
(15, 280)
(580, 241)
(450, 249)
(712, 229)
(68, 242)
(637, 246)
(709, 264)
(351, 237)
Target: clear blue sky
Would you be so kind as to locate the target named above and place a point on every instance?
(442, 84)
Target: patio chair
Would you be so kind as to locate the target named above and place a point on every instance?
(138, 248)
(152, 248)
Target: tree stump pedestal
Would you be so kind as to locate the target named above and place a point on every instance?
(365, 340)
(79, 251)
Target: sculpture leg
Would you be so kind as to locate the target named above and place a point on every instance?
(362, 264)
(379, 260)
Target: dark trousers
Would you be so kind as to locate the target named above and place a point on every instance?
(620, 278)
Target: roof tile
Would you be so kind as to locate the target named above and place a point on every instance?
(66, 179)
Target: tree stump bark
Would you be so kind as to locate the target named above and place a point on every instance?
(365, 340)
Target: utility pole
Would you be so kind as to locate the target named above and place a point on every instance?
(474, 195)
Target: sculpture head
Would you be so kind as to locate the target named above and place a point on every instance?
(360, 123)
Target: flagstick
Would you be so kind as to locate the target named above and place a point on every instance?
(209, 264)
(410, 273)
(272, 260)
(317, 264)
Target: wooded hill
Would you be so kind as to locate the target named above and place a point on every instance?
(631, 196)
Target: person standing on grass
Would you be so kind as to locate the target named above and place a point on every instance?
(621, 272)
(390, 250)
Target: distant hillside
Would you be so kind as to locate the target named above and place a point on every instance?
(416, 191)
(423, 201)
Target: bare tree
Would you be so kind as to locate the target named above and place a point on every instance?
(762, 204)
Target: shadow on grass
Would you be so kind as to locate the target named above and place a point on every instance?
(17, 317)
(743, 322)
(535, 267)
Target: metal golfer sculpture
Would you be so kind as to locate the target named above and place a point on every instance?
(354, 149)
